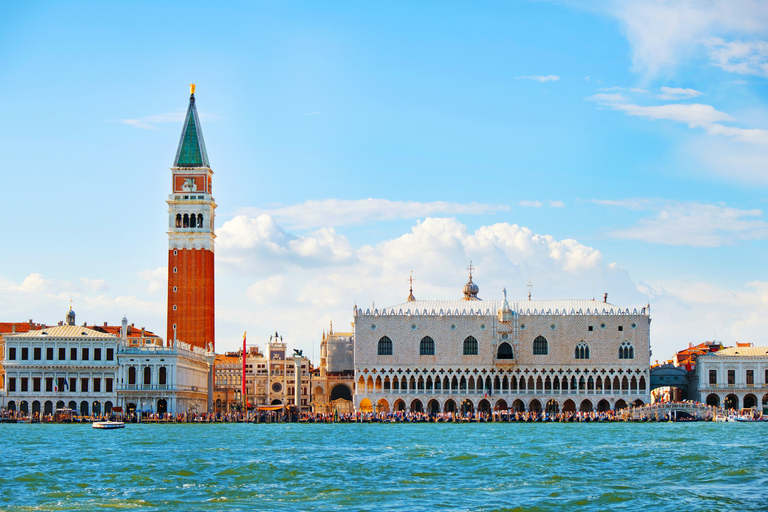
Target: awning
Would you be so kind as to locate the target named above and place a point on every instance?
(117, 409)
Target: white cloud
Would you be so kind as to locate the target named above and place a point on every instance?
(662, 33)
(695, 115)
(557, 204)
(95, 285)
(677, 93)
(157, 279)
(301, 297)
(628, 89)
(337, 212)
(258, 245)
(696, 311)
(531, 204)
(741, 57)
(540, 78)
(694, 224)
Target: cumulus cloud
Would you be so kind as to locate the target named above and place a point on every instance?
(301, 295)
(693, 224)
(539, 78)
(338, 212)
(260, 244)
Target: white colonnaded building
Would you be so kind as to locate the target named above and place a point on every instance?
(472, 355)
(735, 377)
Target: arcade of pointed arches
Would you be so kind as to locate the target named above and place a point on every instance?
(502, 388)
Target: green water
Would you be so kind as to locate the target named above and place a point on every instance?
(404, 467)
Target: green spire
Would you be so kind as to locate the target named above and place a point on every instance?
(191, 152)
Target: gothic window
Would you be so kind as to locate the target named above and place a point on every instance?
(385, 346)
(178, 220)
(470, 346)
(582, 351)
(626, 351)
(505, 352)
(427, 346)
(540, 346)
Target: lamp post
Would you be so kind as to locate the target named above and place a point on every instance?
(210, 357)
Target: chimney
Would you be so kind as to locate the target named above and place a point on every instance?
(105, 324)
(605, 297)
(30, 322)
(13, 328)
(142, 332)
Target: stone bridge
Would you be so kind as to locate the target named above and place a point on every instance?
(665, 410)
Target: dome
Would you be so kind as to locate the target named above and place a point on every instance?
(471, 290)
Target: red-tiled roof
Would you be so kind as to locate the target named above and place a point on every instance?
(8, 327)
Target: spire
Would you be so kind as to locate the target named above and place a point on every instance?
(411, 298)
(191, 151)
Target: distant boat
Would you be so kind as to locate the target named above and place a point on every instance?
(108, 425)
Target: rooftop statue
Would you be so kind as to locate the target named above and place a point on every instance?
(298, 353)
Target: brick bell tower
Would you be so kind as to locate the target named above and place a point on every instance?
(190, 238)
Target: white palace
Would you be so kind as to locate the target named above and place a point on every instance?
(472, 355)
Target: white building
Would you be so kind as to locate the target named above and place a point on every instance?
(63, 366)
(735, 377)
(469, 354)
(154, 378)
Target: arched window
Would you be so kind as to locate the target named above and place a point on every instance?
(581, 351)
(186, 220)
(385, 346)
(470, 346)
(162, 376)
(427, 346)
(540, 346)
(147, 376)
(199, 220)
(178, 220)
(505, 352)
(131, 376)
(626, 351)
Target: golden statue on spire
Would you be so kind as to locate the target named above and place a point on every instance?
(191, 88)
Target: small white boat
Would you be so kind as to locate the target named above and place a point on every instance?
(108, 425)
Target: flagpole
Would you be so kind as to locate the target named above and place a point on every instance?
(245, 400)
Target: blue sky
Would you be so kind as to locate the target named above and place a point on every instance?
(619, 148)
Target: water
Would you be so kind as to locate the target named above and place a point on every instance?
(403, 467)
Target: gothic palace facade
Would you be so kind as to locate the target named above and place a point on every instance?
(472, 355)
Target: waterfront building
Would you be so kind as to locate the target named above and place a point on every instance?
(276, 380)
(62, 366)
(333, 382)
(157, 378)
(472, 355)
(11, 328)
(734, 377)
(229, 377)
(191, 239)
(669, 383)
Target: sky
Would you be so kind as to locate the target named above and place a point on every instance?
(615, 147)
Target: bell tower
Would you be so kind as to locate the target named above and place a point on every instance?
(190, 238)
